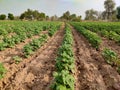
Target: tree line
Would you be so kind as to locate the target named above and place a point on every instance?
(109, 14)
(10, 16)
(40, 16)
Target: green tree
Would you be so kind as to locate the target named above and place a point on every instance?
(118, 13)
(35, 14)
(114, 13)
(109, 8)
(29, 14)
(54, 18)
(42, 16)
(32, 15)
(2, 17)
(10, 16)
(78, 18)
(47, 17)
(72, 17)
(103, 15)
(91, 15)
(22, 16)
(66, 15)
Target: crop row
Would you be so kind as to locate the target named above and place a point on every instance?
(108, 26)
(32, 46)
(92, 37)
(111, 58)
(18, 26)
(65, 64)
(108, 30)
(23, 32)
(35, 44)
(111, 35)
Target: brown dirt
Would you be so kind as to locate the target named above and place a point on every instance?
(92, 72)
(35, 73)
(7, 54)
(110, 44)
(6, 57)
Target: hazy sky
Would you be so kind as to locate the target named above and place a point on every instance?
(52, 7)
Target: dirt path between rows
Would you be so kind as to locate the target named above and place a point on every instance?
(92, 73)
(6, 57)
(7, 54)
(111, 44)
(37, 74)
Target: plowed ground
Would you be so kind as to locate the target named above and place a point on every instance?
(35, 73)
(92, 72)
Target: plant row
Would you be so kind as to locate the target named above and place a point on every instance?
(108, 30)
(92, 37)
(18, 26)
(31, 47)
(23, 32)
(111, 35)
(109, 55)
(111, 58)
(65, 63)
(35, 44)
(99, 26)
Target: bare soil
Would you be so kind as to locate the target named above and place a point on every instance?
(7, 54)
(92, 72)
(34, 73)
(6, 57)
(110, 44)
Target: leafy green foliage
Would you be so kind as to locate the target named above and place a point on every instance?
(2, 17)
(70, 17)
(109, 55)
(118, 12)
(111, 58)
(27, 50)
(2, 71)
(34, 45)
(108, 30)
(2, 46)
(92, 37)
(17, 59)
(3, 31)
(65, 59)
(63, 81)
(65, 64)
(100, 26)
(17, 39)
(10, 16)
(52, 31)
(37, 43)
(32, 15)
(91, 14)
(111, 35)
(9, 42)
(20, 31)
